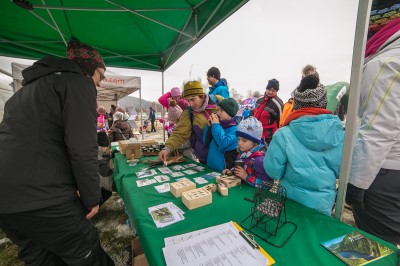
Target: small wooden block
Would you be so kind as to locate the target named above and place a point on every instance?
(231, 181)
(218, 179)
(196, 198)
(223, 190)
(211, 187)
(177, 188)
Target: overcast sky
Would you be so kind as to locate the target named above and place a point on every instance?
(264, 39)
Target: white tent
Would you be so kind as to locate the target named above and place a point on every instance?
(112, 88)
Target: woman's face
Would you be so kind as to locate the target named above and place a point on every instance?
(195, 101)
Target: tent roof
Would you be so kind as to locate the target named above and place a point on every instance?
(146, 34)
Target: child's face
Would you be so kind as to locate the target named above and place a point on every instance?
(245, 145)
(222, 114)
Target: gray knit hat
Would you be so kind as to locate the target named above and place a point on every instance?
(310, 93)
(251, 129)
(118, 116)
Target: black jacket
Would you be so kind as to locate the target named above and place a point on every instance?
(48, 146)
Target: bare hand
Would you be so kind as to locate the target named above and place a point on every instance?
(93, 212)
(162, 155)
(226, 172)
(240, 172)
(214, 119)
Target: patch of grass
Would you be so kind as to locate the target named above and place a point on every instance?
(9, 253)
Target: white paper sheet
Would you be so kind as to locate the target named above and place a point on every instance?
(222, 246)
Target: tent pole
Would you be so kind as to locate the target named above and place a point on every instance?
(141, 113)
(5, 72)
(364, 10)
(162, 107)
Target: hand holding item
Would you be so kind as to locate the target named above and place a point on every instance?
(240, 172)
(226, 172)
(355, 196)
(214, 119)
(162, 155)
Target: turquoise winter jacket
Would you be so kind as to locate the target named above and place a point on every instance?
(306, 156)
(223, 140)
(221, 88)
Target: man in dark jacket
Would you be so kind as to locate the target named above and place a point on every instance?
(269, 110)
(152, 117)
(50, 186)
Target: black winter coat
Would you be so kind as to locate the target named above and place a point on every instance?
(48, 146)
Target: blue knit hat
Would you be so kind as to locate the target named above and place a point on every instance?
(251, 129)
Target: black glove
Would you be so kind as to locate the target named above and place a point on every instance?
(113, 153)
(355, 196)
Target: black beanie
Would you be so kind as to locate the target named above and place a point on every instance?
(102, 139)
(229, 105)
(273, 83)
(214, 72)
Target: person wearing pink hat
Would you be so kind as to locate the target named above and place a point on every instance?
(176, 95)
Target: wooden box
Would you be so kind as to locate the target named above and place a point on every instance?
(196, 198)
(135, 149)
(231, 181)
(140, 260)
(122, 145)
(177, 188)
(211, 187)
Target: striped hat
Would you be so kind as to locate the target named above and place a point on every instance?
(192, 88)
(310, 93)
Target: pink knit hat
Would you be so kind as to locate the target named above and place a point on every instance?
(174, 112)
(175, 91)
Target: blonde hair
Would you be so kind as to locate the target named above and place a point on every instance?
(309, 70)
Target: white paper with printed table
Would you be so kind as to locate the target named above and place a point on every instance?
(223, 245)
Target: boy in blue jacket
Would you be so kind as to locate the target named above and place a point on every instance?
(219, 134)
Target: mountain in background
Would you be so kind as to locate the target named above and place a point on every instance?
(130, 101)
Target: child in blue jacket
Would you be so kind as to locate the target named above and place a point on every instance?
(219, 134)
(249, 133)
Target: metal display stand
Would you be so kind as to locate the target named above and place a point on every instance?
(268, 215)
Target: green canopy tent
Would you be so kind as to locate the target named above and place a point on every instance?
(338, 98)
(146, 34)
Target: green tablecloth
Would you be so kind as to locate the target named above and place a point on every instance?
(303, 248)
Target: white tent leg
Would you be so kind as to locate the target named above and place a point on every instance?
(141, 113)
(364, 10)
(162, 107)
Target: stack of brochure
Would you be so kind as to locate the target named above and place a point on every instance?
(166, 214)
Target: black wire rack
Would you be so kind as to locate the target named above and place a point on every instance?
(268, 215)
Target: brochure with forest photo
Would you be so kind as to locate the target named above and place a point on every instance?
(356, 249)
